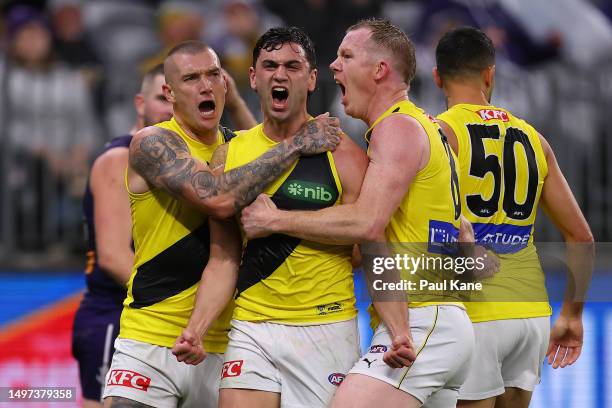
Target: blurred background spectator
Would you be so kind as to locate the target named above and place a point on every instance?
(57, 56)
(73, 45)
(49, 130)
(233, 30)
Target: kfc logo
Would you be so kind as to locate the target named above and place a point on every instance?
(232, 368)
(488, 114)
(126, 378)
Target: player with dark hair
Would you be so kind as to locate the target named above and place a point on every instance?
(172, 193)
(295, 297)
(420, 349)
(507, 169)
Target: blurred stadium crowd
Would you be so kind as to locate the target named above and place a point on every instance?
(69, 70)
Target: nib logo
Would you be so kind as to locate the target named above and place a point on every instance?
(295, 189)
(308, 191)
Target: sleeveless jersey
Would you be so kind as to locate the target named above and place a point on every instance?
(172, 245)
(286, 279)
(502, 172)
(103, 292)
(427, 219)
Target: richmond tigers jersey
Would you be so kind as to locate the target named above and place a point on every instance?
(427, 218)
(286, 279)
(502, 172)
(172, 243)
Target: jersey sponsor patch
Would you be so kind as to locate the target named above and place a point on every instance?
(232, 368)
(336, 379)
(489, 114)
(442, 236)
(502, 238)
(329, 308)
(127, 378)
(309, 191)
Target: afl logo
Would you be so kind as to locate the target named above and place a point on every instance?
(378, 348)
(336, 378)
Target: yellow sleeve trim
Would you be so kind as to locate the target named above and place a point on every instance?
(334, 170)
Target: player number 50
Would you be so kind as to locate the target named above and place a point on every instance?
(481, 164)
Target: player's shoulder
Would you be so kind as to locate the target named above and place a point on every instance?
(151, 134)
(150, 131)
(450, 115)
(347, 145)
(110, 161)
(397, 122)
(245, 133)
(395, 130)
(348, 150)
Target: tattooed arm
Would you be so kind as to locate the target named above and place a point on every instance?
(162, 159)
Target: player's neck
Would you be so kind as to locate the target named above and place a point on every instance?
(458, 93)
(137, 126)
(206, 136)
(279, 130)
(381, 101)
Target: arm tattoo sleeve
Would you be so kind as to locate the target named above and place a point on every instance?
(164, 160)
(246, 182)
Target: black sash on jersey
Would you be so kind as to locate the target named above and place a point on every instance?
(262, 256)
(172, 271)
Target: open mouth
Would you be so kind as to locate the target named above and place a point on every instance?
(207, 107)
(279, 97)
(342, 88)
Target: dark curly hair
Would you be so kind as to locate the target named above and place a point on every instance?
(274, 38)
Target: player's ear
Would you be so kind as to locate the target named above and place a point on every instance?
(168, 93)
(488, 75)
(382, 70)
(436, 77)
(312, 80)
(139, 104)
(252, 80)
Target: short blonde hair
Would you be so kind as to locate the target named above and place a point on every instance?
(390, 37)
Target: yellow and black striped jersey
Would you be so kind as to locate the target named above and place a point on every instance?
(172, 244)
(286, 279)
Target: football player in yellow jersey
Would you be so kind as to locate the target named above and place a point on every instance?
(106, 210)
(294, 335)
(418, 355)
(507, 169)
(172, 191)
